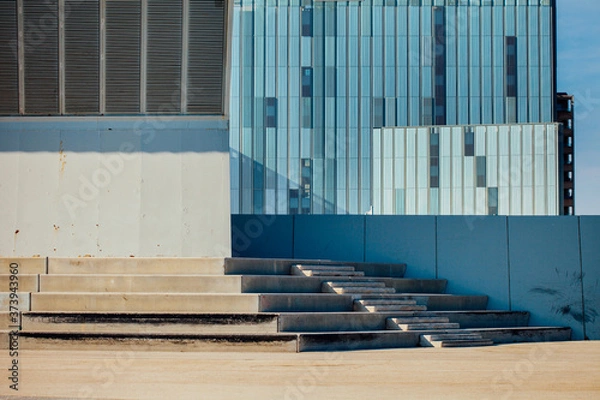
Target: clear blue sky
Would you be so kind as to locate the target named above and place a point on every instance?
(579, 74)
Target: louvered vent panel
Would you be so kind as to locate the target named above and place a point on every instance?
(82, 47)
(9, 75)
(122, 56)
(41, 56)
(205, 69)
(163, 58)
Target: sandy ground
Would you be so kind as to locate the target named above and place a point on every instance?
(521, 371)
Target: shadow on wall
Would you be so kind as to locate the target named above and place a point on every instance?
(549, 266)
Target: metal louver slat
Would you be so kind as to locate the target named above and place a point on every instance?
(41, 56)
(9, 70)
(82, 23)
(122, 56)
(205, 60)
(163, 57)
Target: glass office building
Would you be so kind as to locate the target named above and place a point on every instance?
(314, 81)
(466, 170)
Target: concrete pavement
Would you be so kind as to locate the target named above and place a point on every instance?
(560, 370)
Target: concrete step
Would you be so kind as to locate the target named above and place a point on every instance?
(136, 266)
(436, 301)
(305, 302)
(524, 334)
(385, 302)
(260, 266)
(458, 335)
(57, 341)
(145, 302)
(382, 308)
(359, 290)
(9, 320)
(7, 301)
(344, 341)
(25, 265)
(426, 326)
(296, 283)
(24, 282)
(149, 323)
(457, 343)
(392, 323)
(141, 283)
(320, 270)
(356, 287)
(387, 305)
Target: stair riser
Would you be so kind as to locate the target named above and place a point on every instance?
(9, 321)
(132, 302)
(141, 324)
(305, 303)
(24, 301)
(255, 266)
(141, 283)
(392, 308)
(357, 341)
(143, 266)
(26, 265)
(25, 282)
(220, 343)
(426, 327)
(393, 322)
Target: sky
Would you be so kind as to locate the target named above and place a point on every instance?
(579, 74)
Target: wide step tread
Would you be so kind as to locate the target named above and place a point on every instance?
(381, 308)
(328, 270)
(467, 343)
(426, 327)
(419, 320)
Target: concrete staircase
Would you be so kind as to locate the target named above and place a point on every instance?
(246, 304)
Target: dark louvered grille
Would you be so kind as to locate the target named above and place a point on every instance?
(82, 72)
(205, 62)
(163, 79)
(9, 70)
(41, 56)
(123, 56)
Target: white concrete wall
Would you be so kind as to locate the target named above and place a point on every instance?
(141, 186)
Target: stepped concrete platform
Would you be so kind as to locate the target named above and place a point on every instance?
(255, 305)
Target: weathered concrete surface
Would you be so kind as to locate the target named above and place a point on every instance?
(22, 283)
(141, 283)
(26, 265)
(523, 371)
(148, 323)
(144, 302)
(136, 265)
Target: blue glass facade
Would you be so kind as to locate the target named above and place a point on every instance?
(312, 79)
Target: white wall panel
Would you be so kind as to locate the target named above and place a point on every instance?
(118, 187)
